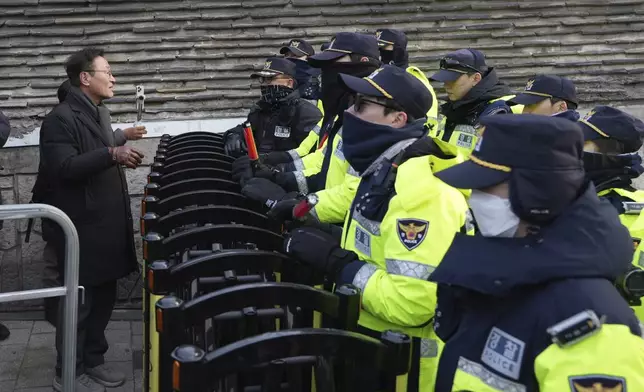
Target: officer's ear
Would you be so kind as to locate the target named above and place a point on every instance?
(476, 78)
(562, 106)
(400, 120)
(290, 83)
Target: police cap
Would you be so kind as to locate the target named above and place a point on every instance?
(546, 86)
(396, 84)
(275, 66)
(390, 37)
(347, 43)
(527, 142)
(298, 47)
(461, 62)
(605, 122)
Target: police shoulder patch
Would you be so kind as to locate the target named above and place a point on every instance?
(597, 383)
(412, 232)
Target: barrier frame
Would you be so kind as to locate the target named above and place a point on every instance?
(69, 290)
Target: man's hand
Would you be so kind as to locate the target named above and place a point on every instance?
(234, 145)
(135, 133)
(263, 191)
(127, 156)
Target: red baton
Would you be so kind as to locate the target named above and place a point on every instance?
(250, 142)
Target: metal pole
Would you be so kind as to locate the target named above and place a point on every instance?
(25, 211)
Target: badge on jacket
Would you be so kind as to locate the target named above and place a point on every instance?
(503, 353)
(597, 383)
(411, 232)
(283, 132)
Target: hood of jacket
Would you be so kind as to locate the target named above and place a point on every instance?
(63, 90)
(586, 241)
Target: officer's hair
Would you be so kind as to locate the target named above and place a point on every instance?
(395, 107)
(81, 61)
(571, 105)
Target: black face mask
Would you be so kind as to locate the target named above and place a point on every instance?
(273, 94)
(603, 167)
(387, 56)
(334, 96)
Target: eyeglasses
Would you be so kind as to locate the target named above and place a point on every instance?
(361, 101)
(450, 63)
(109, 73)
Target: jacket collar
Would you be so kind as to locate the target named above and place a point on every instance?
(88, 111)
(588, 240)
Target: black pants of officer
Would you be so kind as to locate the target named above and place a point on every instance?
(93, 316)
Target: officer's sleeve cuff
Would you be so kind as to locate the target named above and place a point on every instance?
(349, 272)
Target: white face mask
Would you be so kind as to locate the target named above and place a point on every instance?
(493, 215)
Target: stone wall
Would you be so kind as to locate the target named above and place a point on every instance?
(21, 264)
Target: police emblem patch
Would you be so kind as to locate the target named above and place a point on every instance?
(267, 65)
(503, 353)
(378, 34)
(481, 131)
(529, 85)
(412, 232)
(597, 383)
(589, 115)
(295, 44)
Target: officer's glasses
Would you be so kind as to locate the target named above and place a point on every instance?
(361, 102)
(451, 63)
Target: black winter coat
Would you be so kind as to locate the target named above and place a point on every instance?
(84, 182)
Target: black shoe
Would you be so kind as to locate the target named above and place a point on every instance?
(4, 332)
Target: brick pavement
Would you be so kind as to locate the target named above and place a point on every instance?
(28, 357)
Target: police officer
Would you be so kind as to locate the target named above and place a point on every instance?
(349, 53)
(473, 91)
(612, 141)
(392, 44)
(280, 119)
(402, 219)
(530, 304)
(549, 95)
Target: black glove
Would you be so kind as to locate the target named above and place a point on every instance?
(320, 250)
(283, 210)
(276, 157)
(263, 191)
(241, 170)
(234, 145)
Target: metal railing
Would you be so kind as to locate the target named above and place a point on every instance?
(69, 290)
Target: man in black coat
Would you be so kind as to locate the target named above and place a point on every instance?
(82, 165)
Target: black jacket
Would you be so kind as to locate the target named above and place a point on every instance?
(84, 182)
(283, 127)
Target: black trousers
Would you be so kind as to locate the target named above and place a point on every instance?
(93, 317)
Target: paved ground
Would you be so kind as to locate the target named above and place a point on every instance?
(27, 358)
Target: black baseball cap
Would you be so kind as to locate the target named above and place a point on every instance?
(528, 142)
(347, 43)
(546, 86)
(605, 122)
(275, 66)
(394, 83)
(461, 62)
(298, 47)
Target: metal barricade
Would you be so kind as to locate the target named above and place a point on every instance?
(69, 290)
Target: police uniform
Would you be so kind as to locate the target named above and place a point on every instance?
(399, 225)
(539, 312)
(281, 120)
(613, 174)
(460, 118)
(397, 56)
(543, 87)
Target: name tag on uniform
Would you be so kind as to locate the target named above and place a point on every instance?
(283, 132)
(363, 241)
(503, 353)
(338, 151)
(465, 140)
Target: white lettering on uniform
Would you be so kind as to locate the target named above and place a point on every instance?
(503, 353)
(363, 241)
